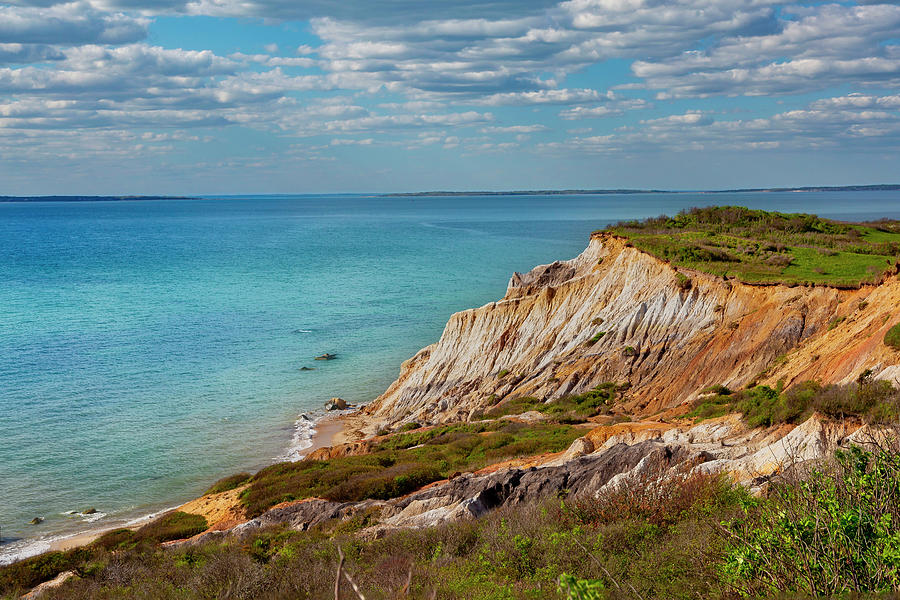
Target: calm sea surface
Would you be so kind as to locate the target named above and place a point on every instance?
(148, 348)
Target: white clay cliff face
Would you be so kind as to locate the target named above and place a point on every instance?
(665, 339)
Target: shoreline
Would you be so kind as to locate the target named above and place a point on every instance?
(329, 430)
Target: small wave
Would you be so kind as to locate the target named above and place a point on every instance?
(304, 430)
(11, 551)
(93, 518)
(302, 331)
(87, 518)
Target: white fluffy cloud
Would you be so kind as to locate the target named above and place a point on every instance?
(861, 122)
(71, 23)
(446, 70)
(824, 47)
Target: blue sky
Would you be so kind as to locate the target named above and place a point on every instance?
(294, 96)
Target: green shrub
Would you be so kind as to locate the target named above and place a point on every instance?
(582, 589)
(761, 406)
(830, 533)
(228, 483)
(390, 482)
(175, 525)
(27, 573)
(835, 322)
(502, 373)
(116, 539)
(629, 351)
(892, 337)
(597, 337)
(718, 389)
(683, 281)
(402, 463)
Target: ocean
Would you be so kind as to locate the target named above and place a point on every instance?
(148, 348)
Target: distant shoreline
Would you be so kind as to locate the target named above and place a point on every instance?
(91, 198)
(886, 187)
(889, 187)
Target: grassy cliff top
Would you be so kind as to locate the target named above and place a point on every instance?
(756, 246)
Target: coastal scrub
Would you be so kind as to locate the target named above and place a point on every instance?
(756, 246)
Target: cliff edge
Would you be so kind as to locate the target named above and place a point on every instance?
(617, 314)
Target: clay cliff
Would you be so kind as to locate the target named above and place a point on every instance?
(667, 333)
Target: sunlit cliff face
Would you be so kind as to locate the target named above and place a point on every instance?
(666, 340)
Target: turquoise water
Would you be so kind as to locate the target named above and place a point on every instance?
(149, 348)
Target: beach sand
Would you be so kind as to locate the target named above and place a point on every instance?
(83, 539)
(329, 431)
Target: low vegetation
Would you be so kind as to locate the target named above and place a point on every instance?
(524, 552)
(87, 561)
(756, 246)
(570, 409)
(761, 406)
(828, 531)
(596, 338)
(892, 337)
(228, 483)
(403, 463)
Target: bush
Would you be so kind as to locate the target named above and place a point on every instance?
(756, 246)
(228, 483)
(761, 406)
(830, 533)
(402, 463)
(502, 373)
(892, 337)
(683, 281)
(655, 496)
(597, 337)
(387, 483)
(116, 539)
(175, 525)
(30, 572)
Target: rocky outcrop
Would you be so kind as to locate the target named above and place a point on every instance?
(666, 339)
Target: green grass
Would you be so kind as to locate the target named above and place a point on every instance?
(892, 337)
(228, 483)
(768, 247)
(762, 406)
(175, 525)
(570, 409)
(403, 463)
(596, 338)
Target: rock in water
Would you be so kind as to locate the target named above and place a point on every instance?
(307, 369)
(326, 356)
(36, 521)
(90, 511)
(336, 404)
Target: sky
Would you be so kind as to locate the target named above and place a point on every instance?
(316, 96)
